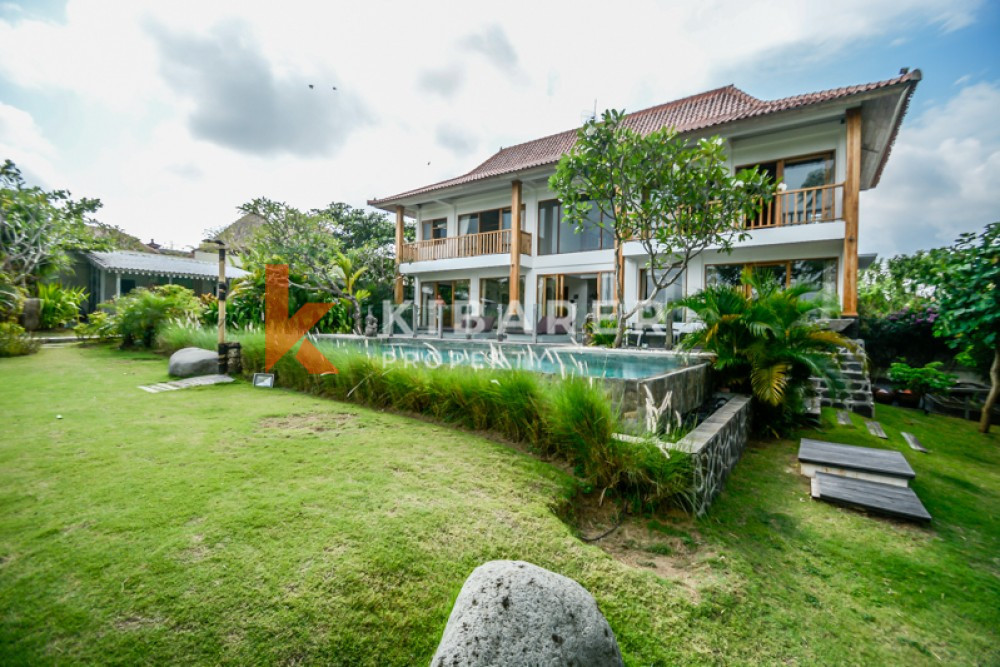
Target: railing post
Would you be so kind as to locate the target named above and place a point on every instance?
(534, 324)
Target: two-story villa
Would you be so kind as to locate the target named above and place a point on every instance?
(495, 235)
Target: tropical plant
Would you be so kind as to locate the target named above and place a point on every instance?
(921, 381)
(966, 283)
(11, 298)
(141, 313)
(676, 197)
(904, 334)
(60, 305)
(765, 344)
(15, 341)
(310, 244)
(39, 228)
(99, 324)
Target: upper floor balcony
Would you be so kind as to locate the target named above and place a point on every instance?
(497, 242)
(821, 203)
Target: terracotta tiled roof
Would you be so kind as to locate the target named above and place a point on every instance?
(689, 114)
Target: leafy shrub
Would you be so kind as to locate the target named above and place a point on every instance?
(766, 345)
(598, 336)
(140, 314)
(904, 334)
(920, 381)
(15, 341)
(60, 305)
(567, 419)
(11, 298)
(99, 324)
(245, 305)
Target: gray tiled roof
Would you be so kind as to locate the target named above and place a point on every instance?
(124, 261)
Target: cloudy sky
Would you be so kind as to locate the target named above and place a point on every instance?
(174, 113)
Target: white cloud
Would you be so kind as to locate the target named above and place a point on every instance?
(137, 143)
(942, 178)
(22, 141)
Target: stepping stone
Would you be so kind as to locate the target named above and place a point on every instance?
(843, 418)
(885, 499)
(197, 381)
(878, 465)
(876, 429)
(912, 441)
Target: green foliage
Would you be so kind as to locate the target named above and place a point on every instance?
(39, 228)
(339, 253)
(765, 344)
(897, 284)
(967, 287)
(140, 314)
(11, 298)
(99, 324)
(598, 333)
(568, 419)
(15, 341)
(245, 304)
(674, 196)
(904, 334)
(921, 381)
(60, 305)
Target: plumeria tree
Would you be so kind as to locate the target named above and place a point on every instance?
(967, 288)
(38, 228)
(675, 197)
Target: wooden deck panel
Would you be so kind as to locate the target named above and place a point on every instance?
(912, 441)
(865, 459)
(895, 501)
(876, 429)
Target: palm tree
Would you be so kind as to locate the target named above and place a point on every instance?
(764, 342)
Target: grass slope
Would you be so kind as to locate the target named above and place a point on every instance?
(228, 524)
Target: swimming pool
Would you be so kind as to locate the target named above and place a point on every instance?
(561, 360)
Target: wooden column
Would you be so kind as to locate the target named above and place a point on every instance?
(515, 243)
(398, 292)
(852, 186)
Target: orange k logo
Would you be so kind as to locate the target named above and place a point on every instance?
(282, 332)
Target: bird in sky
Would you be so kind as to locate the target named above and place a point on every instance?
(310, 86)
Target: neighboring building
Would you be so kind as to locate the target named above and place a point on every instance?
(106, 275)
(495, 235)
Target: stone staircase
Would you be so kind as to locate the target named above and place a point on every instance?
(858, 397)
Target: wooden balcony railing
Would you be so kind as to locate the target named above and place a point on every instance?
(799, 207)
(466, 245)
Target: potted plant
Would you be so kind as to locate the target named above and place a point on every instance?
(914, 383)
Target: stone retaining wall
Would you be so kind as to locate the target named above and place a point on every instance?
(716, 446)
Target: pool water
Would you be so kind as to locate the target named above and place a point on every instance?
(554, 360)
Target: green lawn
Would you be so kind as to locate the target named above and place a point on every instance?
(228, 524)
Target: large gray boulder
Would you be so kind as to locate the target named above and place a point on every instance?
(192, 361)
(514, 613)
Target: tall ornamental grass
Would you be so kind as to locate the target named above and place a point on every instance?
(568, 419)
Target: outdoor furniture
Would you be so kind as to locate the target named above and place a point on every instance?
(552, 325)
(480, 323)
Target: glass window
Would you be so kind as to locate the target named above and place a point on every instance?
(548, 227)
(818, 273)
(723, 274)
(434, 229)
(808, 173)
(468, 224)
(665, 296)
(489, 221)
